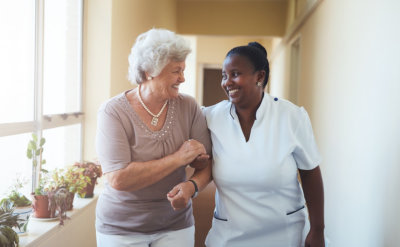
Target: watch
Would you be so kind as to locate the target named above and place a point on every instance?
(196, 189)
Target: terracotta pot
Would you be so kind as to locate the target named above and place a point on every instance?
(90, 188)
(40, 205)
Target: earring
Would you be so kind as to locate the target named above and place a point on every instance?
(149, 78)
(259, 84)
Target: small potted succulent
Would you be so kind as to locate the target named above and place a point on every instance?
(8, 221)
(93, 171)
(22, 204)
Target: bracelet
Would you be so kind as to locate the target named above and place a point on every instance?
(196, 189)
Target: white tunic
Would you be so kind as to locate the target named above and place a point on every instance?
(259, 201)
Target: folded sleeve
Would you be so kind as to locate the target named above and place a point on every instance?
(306, 151)
(112, 144)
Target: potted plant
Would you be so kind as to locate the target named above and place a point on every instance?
(40, 200)
(93, 171)
(22, 204)
(62, 186)
(8, 237)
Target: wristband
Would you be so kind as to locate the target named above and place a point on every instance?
(196, 189)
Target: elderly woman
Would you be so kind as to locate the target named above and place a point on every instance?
(145, 138)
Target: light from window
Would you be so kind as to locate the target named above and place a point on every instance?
(17, 49)
(13, 162)
(62, 66)
(63, 146)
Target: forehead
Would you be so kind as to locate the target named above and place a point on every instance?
(237, 62)
(175, 64)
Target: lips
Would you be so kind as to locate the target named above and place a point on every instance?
(232, 92)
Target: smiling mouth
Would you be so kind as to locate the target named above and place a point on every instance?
(176, 86)
(232, 91)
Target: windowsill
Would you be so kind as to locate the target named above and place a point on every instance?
(41, 230)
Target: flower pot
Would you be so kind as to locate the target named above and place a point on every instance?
(23, 214)
(70, 201)
(40, 205)
(90, 188)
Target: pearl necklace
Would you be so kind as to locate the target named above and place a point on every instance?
(154, 121)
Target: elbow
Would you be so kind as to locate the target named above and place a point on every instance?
(116, 182)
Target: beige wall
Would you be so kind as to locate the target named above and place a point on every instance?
(264, 18)
(349, 84)
(131, 18)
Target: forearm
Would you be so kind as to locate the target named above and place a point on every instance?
(139, 175)
(204, 176)
(314, 194)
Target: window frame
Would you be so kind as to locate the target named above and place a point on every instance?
(42, 122)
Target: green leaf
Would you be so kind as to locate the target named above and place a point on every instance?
(34, 162)
(43, 161)
(29, 154)
(34, 137)
(42, 141)
(44, 170)
(37, 152)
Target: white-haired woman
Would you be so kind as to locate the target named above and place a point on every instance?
(145, 138)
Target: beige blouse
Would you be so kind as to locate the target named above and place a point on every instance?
(122, 138)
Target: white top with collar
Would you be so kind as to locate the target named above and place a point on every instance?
(259, 201)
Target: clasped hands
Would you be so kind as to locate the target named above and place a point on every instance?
(192, 152)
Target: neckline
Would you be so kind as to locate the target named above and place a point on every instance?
(167, 126)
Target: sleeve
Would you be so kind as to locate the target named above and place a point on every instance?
(112, 144)
(199, 130)
(306, 151)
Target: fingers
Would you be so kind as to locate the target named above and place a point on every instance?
(173, 192)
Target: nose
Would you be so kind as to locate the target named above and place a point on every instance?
(225, 82)
(181, 77)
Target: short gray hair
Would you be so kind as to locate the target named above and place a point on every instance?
(152, 51)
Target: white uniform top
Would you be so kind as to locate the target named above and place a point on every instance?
(259, 201)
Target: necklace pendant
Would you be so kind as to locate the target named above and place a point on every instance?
(154, 121)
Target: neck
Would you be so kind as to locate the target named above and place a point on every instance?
(150, 96)
(248, 111)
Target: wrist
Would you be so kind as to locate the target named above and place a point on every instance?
(196, 188)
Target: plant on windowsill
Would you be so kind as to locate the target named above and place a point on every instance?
(93, 171)
(22, 204)
(8, 237)
(40, 200)
(63, 185)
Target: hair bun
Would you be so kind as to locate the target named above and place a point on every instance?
(258, 46)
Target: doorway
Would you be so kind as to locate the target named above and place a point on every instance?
(212, 91)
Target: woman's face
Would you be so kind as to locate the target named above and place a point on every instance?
(168, 81)
(239, 81)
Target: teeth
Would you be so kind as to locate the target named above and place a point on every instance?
(176, 86)
(232, 91)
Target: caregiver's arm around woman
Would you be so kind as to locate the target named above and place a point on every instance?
(314, 194)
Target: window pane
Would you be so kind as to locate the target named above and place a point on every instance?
(62, 56)
(63, 146)
(17, 40)
(14, 163)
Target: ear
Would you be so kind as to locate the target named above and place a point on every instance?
(261, 75)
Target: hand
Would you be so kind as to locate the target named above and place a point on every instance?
(200, 162)
(189, 151)
(180, 195)
(315, 238)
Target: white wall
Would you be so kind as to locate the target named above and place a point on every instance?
(350, 84)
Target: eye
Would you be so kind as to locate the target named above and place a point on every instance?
(235, 74)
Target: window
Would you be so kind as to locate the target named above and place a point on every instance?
(40, 84)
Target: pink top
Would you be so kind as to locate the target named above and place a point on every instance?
(122, 138)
